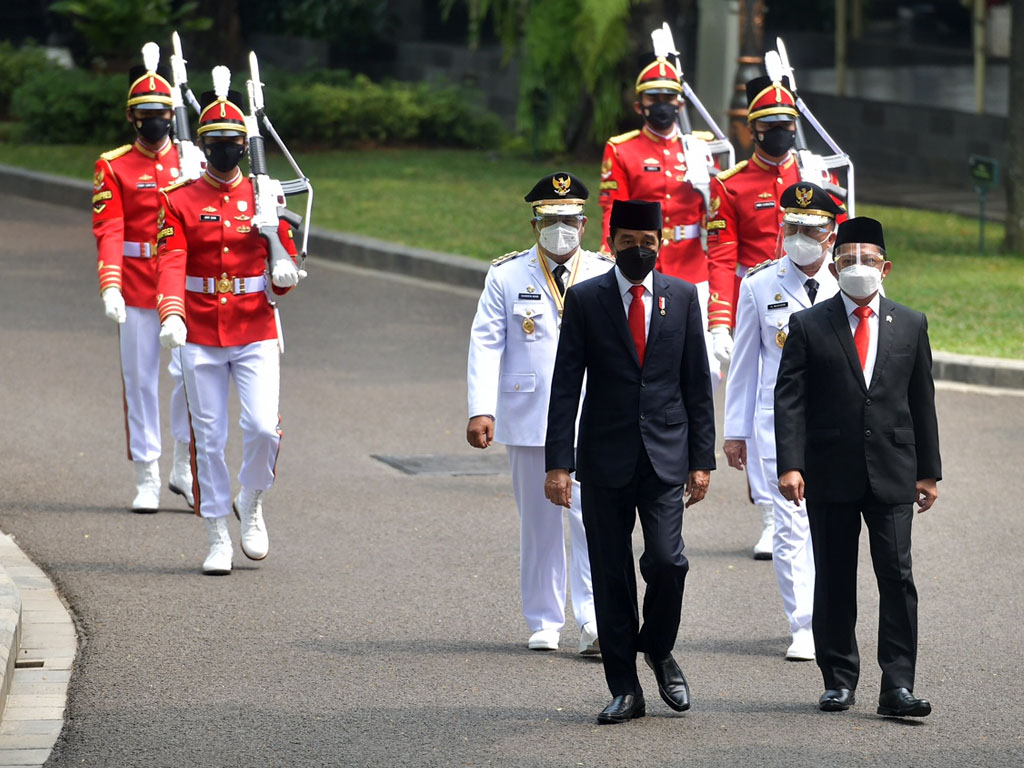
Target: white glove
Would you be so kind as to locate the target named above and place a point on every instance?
(173, 332)
(113, 304)
(285, 274)
(721, 343)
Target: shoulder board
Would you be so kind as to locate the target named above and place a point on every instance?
(597, 255)
(703, 135)
(115, 153)
(508, 257)
(758, 267)
(732, 171)
(623, 137)
(176, 185)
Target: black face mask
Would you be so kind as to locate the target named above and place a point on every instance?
(224, 155)
(662, 115)
(153, 129)
(776, 141)
(636, 262)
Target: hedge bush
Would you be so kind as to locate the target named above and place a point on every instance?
(326, 108)
(15, 65)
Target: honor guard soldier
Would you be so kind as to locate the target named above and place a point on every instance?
(213, 306)
(511, 357)
(649, 164)
(125, 202)
(769, 294)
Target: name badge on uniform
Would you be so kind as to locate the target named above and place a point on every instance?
(146, 185)
(529, 296)
(779, 305)
(209, 217)
(764, 204)
(655, 168)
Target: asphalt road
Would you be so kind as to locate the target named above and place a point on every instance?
(384, 628)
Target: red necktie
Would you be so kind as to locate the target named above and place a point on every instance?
(637, 324)
(862, 336)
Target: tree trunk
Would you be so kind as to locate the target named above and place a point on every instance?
(1014, 239)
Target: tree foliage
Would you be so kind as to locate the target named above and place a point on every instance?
(570, 56)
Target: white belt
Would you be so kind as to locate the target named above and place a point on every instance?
(139, 250)
(225, 284)
(681, 232)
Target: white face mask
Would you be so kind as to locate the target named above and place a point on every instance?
(802, 249)
(860, 281)
(559, 239)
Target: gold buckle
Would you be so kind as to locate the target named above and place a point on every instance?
(224, 284)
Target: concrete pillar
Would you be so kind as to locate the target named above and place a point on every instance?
(717, 49)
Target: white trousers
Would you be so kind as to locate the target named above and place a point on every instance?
(542, 547)
(703, 296)
(792, 554)
(256, 371)
(760, 484)
(140, 374)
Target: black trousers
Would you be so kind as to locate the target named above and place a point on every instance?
(835, 530)
(609, 515)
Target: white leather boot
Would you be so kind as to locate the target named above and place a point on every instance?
(180, 481)
(147, 487)
(218, 562)
(763, 548)
(249, 510)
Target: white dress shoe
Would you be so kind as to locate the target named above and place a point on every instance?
(589, 644)
(249, 510)
(147, 487)
(802, 648)
(763, 548)
(180, 481)
(218, 562)
(544, 640)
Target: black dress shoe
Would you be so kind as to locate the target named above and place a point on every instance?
(900, 702)
(671, 683)
(836, 700)
(623, 709)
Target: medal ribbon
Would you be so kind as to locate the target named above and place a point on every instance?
(552, 285)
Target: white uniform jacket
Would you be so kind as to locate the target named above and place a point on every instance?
(768, 295)
(513, 342)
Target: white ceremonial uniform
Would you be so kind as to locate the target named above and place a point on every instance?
(511, 357)
(767, 297)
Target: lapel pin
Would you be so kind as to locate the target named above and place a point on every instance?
(661, 305)
(888, 318)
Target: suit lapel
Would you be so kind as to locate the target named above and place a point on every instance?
(539, 280)
(841, 325)
(611, 300)
(661, 290)
(886, 309)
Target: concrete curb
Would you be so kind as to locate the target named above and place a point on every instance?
(434, 266)
(10, 623)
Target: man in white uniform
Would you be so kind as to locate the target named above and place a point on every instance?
(768, 295)
(511, 357)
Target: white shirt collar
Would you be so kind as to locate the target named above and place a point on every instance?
(666, 136)
(625, 285)
(766, 161)
(851, 305)
(567, 264)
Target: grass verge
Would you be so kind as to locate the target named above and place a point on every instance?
(471, 203)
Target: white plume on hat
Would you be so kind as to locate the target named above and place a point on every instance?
(221, 81)
(151, 56)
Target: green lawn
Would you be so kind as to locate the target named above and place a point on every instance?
(472, 203)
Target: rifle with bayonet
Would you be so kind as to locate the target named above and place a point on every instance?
(813, 167)
(190, 157)
(698, 152)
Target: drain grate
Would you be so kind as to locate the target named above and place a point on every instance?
(451, 465)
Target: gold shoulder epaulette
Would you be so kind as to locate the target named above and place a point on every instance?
(175, 185)
(703, 135)
(732, 171)
(623, 137)
(115, 153)
(758, 267)
(507, 257)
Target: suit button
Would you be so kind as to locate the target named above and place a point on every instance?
(867, 433)
(868, 401)
(643, 383)
(643, 416)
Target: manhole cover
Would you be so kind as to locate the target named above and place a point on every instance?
(482, 463)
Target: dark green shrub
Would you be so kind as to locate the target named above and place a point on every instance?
(59, 106)
(15, 65)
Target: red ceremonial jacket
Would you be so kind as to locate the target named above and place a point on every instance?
(640, 165)
(125, 201)
(205, 232)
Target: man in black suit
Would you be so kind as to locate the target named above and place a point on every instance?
(646, 431)
(856, 434)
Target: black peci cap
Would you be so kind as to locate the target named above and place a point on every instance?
(863, 230)
(638, 215)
